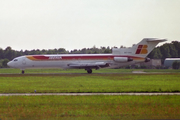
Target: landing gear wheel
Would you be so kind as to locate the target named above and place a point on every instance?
(22, 72)
(89, 71)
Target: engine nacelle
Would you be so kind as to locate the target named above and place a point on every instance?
(147, 59)
(122, 59)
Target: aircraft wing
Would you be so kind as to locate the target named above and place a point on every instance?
(95, 65)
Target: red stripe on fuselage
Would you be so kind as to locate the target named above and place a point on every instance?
(76, 57)
(86, 57)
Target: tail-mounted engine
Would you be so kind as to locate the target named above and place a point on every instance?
(122, 59)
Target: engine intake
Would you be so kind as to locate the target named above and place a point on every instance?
(122, 59)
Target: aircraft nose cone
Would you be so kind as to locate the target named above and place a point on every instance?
(9, 64)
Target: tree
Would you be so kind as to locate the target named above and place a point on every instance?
(173, 51)
(165, 51)
(1, 53)
(9, 53)
(83, 51)
(155, 54)
(175, 65)
(177, 46)
(4, 63)
(62, 51)
(107, 50)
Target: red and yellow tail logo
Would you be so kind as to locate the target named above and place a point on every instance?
(142, 49)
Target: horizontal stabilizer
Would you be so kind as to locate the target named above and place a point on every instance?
(155, 40)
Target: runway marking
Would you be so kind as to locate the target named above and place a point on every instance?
(85, 94)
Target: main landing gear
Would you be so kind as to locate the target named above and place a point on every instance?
(89, 71)
(22, 71)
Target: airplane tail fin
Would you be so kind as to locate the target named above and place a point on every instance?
(142, 49)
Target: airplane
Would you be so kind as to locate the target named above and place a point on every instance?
(118, 58)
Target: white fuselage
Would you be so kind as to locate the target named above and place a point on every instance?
(64, 60)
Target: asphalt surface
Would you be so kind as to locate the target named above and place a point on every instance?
(85, 94)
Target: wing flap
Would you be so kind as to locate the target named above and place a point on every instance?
(89, 65)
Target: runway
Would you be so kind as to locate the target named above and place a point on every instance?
(86, 94)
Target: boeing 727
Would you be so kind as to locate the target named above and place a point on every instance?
(119, 57)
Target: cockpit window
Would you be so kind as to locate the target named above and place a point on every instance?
(15, 59)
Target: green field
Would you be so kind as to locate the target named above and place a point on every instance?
(69, 83)
(29, 71)
(90, 107)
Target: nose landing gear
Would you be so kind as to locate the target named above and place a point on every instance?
(22, 71)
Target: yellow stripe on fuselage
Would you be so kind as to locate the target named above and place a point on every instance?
(31, 58)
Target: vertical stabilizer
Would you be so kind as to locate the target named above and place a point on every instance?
(142, 49)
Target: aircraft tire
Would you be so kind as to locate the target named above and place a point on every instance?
(89, 71)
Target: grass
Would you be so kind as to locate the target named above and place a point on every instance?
(69, 83)
(89, 107)
(63, 71)
(15, 71)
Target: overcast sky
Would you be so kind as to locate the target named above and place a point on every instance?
(77, 24)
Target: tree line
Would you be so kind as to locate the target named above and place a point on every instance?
(168, 50)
